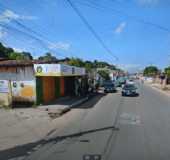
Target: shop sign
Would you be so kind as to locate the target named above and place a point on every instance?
(47, 69)
(57, 70)
(4, 86)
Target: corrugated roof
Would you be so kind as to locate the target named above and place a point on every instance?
(12, 63)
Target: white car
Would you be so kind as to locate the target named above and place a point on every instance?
(130, 81)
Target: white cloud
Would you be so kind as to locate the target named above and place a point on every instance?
(3, 33)
(148, 2)
(9, 15)
(59, 45)
(119, 29)
(18, 49)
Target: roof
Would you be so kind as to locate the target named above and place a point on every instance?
(14, 63)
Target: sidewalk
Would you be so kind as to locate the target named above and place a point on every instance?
(24, 125)
(160, 88)
(62, 105)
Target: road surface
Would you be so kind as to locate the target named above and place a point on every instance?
(115, 127)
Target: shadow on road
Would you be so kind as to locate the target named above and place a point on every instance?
(26, 149)
(93, 99)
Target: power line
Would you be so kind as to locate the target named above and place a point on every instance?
(90, 28)
(41, 42)
(45, 43)
(115, 11)
(30, 30)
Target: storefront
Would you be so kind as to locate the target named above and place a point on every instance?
(57, 80)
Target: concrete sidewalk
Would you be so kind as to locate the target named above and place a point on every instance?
(62, 105)
(160, 88)
(25, 125)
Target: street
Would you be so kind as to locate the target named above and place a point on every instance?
(112, 126)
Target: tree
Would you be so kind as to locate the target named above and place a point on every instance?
(27, 56)
(167, 71)
(20, 56)
(4, 51)
(7, 52)
(151, 71)
(48, 57)
(104, 74)
(76, 62)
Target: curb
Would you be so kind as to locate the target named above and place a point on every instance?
(67, 109)
(159, 90)
(74, 105)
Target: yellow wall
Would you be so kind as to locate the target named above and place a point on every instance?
(5, 99)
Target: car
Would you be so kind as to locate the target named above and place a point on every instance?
(109, 87)
(129, 90)
(120, 81)
(130, 81)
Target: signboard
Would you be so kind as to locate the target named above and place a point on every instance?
(47, 69)
(57, 70)
(4, 86)
(23, 90)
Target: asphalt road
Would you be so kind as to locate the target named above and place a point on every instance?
(115, 127)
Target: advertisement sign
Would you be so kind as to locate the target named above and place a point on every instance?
(4, 86)
(57, 70)
(23, 90)
(47, 69)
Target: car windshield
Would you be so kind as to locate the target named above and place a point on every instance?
(129, 86)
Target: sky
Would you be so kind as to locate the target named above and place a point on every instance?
(136, 31)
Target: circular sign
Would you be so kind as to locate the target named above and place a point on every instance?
(39, 69)
(14, 84)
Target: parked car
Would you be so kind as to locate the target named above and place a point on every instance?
(109, 87)
(121, 81)
(130, 81)
(129, 90)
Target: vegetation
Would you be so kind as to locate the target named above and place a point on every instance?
(47, 57)
(151, 71)
(90, 64)
(9, 53)
(104, 74)
(167, 71)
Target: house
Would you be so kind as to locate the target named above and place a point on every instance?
(38, 81)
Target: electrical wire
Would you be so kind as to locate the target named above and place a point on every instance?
(91, 29)
(115, 11)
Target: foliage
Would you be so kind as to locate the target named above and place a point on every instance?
(48, 57)
(9, 53)
(150, 71)
(89, 65)
(167, 71)
(76, 62)
(104, 74)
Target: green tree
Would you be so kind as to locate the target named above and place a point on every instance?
(4, 51)
(104, 74)
(15, 56)
(27, 56)
(48, 57)
(151, 71)
(167, 71)
(76, 62)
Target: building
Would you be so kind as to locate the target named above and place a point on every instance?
(39, 82)
(56, 80)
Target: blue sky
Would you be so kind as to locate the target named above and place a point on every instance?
(120, 24)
